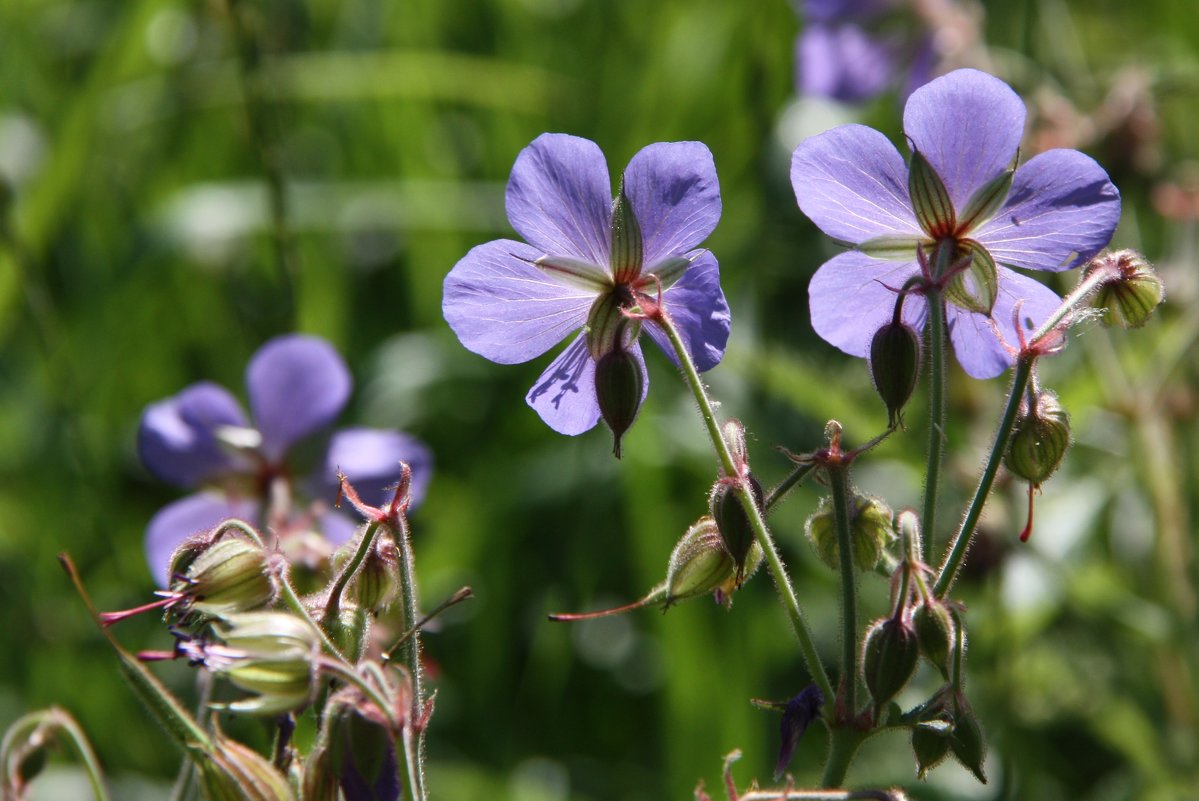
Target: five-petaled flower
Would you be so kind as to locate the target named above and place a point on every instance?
(948, 221)
(201, 438)
(596, 264)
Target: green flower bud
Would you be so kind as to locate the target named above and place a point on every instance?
(732, 520)
(1039, 441)
(895, 366)
(889, 658)
(967, 742)
(348, 631)
(936, 633)
(376, 585)
(235, 772)
(231, 575)
(870, 530)
(1130, 299)
(272, 654)
(619, 388)
(700, 564)
(930, 743)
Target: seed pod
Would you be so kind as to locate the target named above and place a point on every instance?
(1129, 300)
(870, 531)
(889, 658)
(619, 388)
(895, 366)
(930, 743)
(1039, 441)
(732, 520)
(232, 575)
(935, 633)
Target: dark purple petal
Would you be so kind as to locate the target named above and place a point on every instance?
(852, 296)
(982, 343)
(564, 395)
(560, 197)
(370, 458)
(800, 712)
(298, 385)
(675, 196)
(697, 306)
(177, 521)
(507, 310)
(842, 62)
(1061, 210)
(968, 125)
(852, 182)
(176, 439)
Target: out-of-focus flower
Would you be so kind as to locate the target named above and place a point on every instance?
(201, 438)
(844, 53)
(590, 262)
(952, 219)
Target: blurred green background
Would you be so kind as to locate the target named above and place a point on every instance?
(150, 150)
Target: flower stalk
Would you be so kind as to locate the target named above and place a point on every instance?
(936, 417)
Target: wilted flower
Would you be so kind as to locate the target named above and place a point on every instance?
(951, 219)
(202, 438)
(591, 261)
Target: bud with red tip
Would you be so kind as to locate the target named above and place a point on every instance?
(1134, 292)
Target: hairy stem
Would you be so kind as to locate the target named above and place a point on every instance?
(839, 486)
(936, 418)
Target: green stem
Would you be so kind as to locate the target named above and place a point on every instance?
(293, 602)
(936, 417)
(414, 733)
(333, 605)
(31, 727)
(757, 522)
(344, 671)
(839, 487)
(843, 744)
(796, 476)
(961, 542)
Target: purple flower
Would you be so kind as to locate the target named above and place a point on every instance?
(952, 219)
(201, 438)
(839, 55)
(589, 261)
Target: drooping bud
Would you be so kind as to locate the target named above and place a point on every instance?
(700, 564)
(936, 633)
(889, 657)
(1130, 298)
(619, 387)
(967, 742)
(732, 520)
(231, 575)
(870, 531)
(235, 772)
(1039, 440)
(930, 743)
(362, 756)
(272, 654)
(895, 366)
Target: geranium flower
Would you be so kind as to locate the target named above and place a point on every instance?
(201, 438)
(952, 219)
(590, 261)
(841, 54)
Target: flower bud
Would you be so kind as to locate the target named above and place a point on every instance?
(231, 575)
(894, 366)
(700, 564)
(930, 743)
(619, 388)
(235, 772)
(732, 520)
(376, 585)
(935, 632)
(967, 742)
(889, 657)
(1039, 441)
(348, 631)
(870, 531)
(1130, 299)
(272, 654)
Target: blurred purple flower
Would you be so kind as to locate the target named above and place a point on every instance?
(1054, 213)
(201, 438)
(588, 260)
(840, 55)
